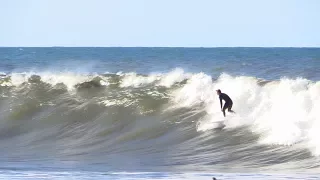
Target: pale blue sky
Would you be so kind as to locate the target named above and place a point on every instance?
(173, 23)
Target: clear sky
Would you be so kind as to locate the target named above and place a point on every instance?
(165, 23)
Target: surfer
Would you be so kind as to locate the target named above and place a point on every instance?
(227, 102)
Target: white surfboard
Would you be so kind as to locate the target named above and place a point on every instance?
(218, 125)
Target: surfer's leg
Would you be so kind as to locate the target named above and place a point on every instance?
(224, 112)
(224, 109)
(229, 108)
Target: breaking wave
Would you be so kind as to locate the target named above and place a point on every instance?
(91, 112)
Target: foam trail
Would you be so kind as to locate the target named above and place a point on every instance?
(285, 112)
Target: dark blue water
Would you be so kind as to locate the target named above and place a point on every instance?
(267, 63)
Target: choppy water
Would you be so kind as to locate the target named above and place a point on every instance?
(152, 113)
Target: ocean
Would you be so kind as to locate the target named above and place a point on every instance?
(153, 113)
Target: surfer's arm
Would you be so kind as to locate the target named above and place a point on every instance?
(221, 102)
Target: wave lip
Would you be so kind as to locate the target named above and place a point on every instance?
(73, 80)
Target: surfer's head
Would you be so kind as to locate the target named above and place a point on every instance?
(218, 91)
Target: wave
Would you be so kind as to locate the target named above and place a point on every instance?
(283, 112)
(174, 108)
(73, 80)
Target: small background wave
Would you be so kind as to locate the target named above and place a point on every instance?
(267, 63)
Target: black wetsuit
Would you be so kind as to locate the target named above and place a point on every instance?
(228, 103)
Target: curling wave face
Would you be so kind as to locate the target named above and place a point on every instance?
(158, 121)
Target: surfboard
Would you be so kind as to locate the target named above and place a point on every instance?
(219, 125)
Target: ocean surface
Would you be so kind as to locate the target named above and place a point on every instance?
(153, 113)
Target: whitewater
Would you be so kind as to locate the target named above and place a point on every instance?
(99, 124)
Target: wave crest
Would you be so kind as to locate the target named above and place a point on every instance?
(282, 112)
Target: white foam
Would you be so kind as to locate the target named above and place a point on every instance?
(284, 112)
(18, 78)
(104, 81)
(69, 79)
(116, 102)
(177, 75)
(160, 79)
(198, 90)
(134, 80)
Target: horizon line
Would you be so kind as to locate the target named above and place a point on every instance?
(160, 47)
